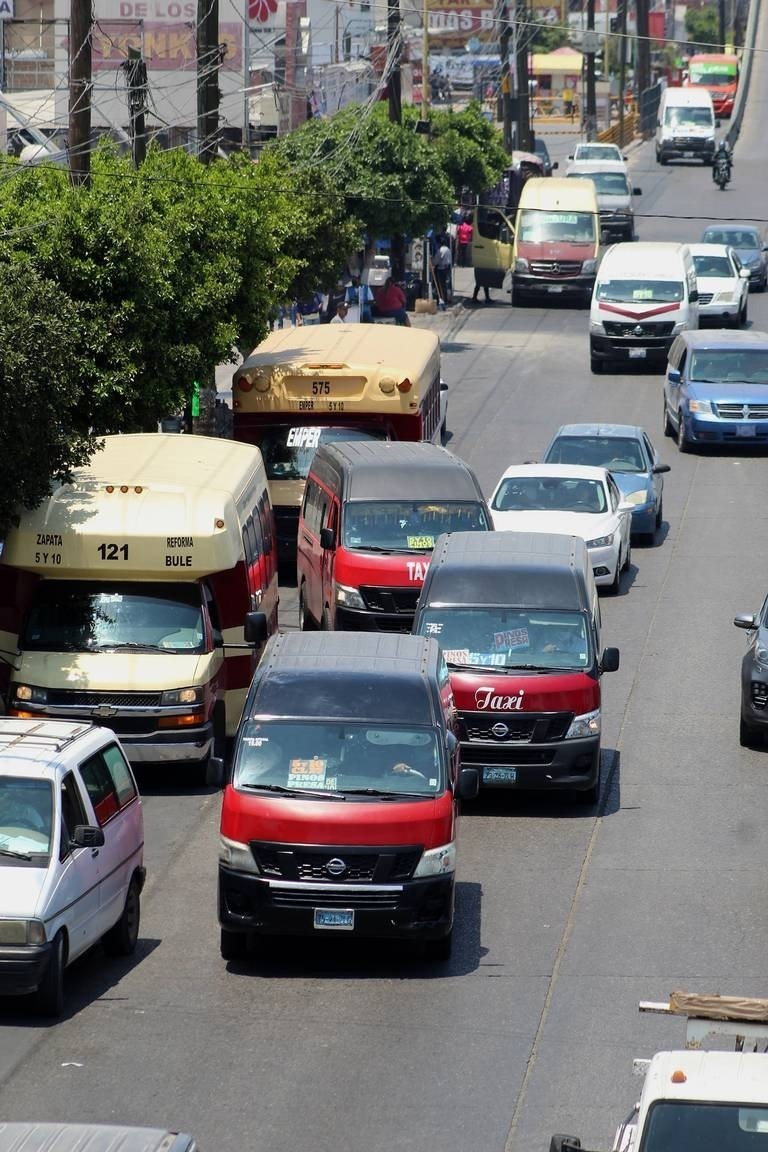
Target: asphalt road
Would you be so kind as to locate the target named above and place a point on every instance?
(566, 918)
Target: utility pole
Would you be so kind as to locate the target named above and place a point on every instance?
(425, 73)
(591, 109)
(208, 60)
(622, 64)
(136, 78)
(80, 85)
(505, 34)
(721, 23)
(522, 42)
(643, 70)
(394, 53)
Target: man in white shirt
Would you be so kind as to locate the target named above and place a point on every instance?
(342, 308)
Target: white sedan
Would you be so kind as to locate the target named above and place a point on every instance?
(571, 499)
(722, 284)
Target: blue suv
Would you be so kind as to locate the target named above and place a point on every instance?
(716, 388)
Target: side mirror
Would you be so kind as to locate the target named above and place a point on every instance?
(467, 783)
(744, 273)
(604, 236)
(327, 539)
(674, 376)
(555, 165)
(637, 191)
(87, 836)
(693, 297)
(504, 235)
(255, 628)
(218, 639)
(564, 1143)
(623, 156)
(745, 620)
(625, 506)
(609, 661)
(717, 123)
(659, 468)
(443, 386)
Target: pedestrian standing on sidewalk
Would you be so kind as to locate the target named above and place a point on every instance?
(463, 241)
(442, 266)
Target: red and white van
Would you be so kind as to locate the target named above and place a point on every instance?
(518, 619)
(371, 513)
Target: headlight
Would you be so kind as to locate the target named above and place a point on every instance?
(704, 406)
(437, 862)
(638, 497)
(349, 597)
(586, 725)
(681, 326)
(29, 694)
(589, 266)
(22, 932)
(236, 855)
(724, 298)
(600, 541)
(596, 328)
(761, 655)
(522, 265)
(175, 696)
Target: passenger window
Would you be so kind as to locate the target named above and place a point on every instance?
(254, 537)
(72, 813)
(310, 510)
(649, 451)
(121, 775)
(100, 789)
(265, 519)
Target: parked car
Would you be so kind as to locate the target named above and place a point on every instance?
(570, 499)
(71, 853)
(716, 388)
(753, 724)
(628, 454)
(722, 283)
(36, 1137)
(541, 150)
(749, 246)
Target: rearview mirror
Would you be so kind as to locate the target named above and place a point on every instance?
(87, 836)
(745, 620)
(467, 783)
(327, 539)
(637, 191)
(555, 165)
(609, 661)
(674, 376)
(255, 628)
(659, 468)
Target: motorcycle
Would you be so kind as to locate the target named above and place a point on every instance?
(721, 169)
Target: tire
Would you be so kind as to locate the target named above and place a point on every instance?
(325, 623)
(590, 796)
(560, 1143)
(596, 366)
(614, 587)
(306, 623)
(439, 950)
(682, 443)
(627, 559)
(662, 159)
(121, 938)
(761, 286)
(232, 945)
(749, 737)
(744, 315)
(660, 515)
(49, 998)
(667, 423)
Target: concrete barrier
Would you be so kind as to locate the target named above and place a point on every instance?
(740, 102)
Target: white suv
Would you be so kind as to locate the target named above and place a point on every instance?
(71, 852)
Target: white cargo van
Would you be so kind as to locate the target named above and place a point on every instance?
(645, 294)
(685, 128)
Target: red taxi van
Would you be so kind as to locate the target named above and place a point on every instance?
(341, 814)
(372, 511)
(518, 618)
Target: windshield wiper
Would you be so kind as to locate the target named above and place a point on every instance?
(502, 667)
(128, 646)
(380, 792)
(292, 791)
(15, 855)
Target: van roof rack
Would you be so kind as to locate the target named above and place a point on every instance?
(742, 1019)
(53, 734)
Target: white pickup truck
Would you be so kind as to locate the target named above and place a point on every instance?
(695, 1100)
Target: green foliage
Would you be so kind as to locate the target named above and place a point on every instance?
(386, 174)
(468, 148)
(42, 389)
(547, 39)
(702, 26)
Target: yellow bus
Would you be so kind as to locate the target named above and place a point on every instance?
(306, 386)
(119, 593)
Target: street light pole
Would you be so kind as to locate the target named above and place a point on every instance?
(425, 76)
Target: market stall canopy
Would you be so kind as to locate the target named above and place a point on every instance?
(562, 60)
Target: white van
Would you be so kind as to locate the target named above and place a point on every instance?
(644, 295)
(685, 128)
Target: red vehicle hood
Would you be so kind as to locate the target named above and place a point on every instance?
(285, 820)
(556, 250)
(486, 691)
(399, 570)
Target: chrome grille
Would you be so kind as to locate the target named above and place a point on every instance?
(303, 863)
(391, 600)
(63, 696)
(555, 267)
(705, 297)
(525, 728)
(742, 411)
(626, 329)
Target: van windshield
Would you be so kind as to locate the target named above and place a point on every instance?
(88, 616)
(288, 449)
(638, 291)
(688, 117)
(322, 757)
(537, 226)
(705, 1127)
(26, 821)
(407, 525)
(490, 637)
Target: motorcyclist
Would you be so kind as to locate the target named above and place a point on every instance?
(722, 156)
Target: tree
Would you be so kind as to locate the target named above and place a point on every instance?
(547, 38)
(42, 389)
(468, 148)
(702, 26)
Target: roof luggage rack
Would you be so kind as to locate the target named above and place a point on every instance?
(742, 1019)
(53, 734)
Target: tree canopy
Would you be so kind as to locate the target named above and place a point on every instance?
(702, 26)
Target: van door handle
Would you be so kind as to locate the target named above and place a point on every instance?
(305, 538)
(94, 853)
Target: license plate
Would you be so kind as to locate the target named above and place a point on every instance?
(499, 775)
(637, 353)
(339, 918)
(688, 155)
(554, 288)
(745, 430)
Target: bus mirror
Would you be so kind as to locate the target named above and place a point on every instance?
(555, 165)
(255, 628)
(327, 539)
(609, 661)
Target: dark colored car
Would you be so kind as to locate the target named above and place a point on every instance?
(716, 388)
(541, 150)
(753, 723)
(748, 244)
(628, 454)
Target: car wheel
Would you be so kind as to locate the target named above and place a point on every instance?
(627, 558)
(232, 945)
(749, 737)
(743, 314)
(121, 939)
(682, 443)
(306, 623)
(439, 950)
(761, 284)
(660, 514)
(325, 623)
(50, 992)
(590, 796)
(596, 365)
(615, 584)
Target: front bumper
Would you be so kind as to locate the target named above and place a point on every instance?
(702, 429)
(355, 620)
(634, 349)
(604, 561)
(717, 311)
(416, 909)
(526, 285)
(617, 223)
(23, 968)
(571, 764)
(688, 149)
